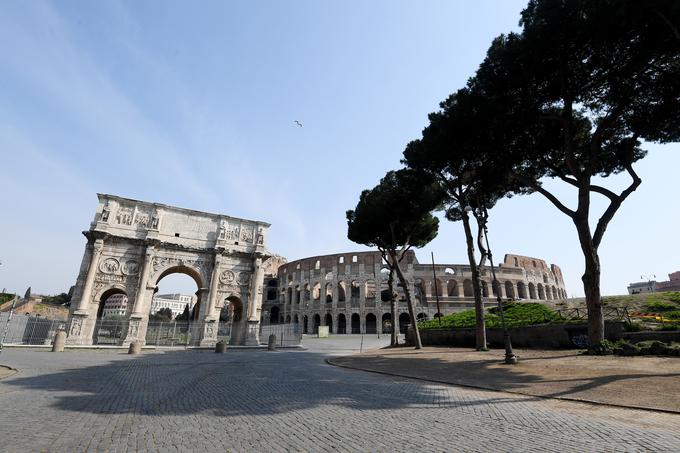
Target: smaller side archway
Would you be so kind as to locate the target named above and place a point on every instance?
(356, 323)
(452, 288)
(342, 324)
(532, 291)
(274, 315)
(467, 288)
(404, 322)
(521, 290)
(371, 323)
(509, 290)
(387, 323)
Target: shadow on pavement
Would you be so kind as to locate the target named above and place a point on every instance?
(658, 391)
(235, 383)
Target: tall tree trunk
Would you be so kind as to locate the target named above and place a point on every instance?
(476, 285)
(591, 284)
(394, 335)
(409, 301)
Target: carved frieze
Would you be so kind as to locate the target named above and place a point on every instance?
(227, 277)
(247, 234)
(124, 216)
(232, 232)
(76, 327)
(143, 219)
(109, 266)
(243, 278)
(110, 278)
(130, 267)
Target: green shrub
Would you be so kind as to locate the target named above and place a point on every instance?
(669, 326)
(516, 314)
(673, 296)
(674, 314)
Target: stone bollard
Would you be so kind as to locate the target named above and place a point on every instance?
(271, 345)
(135, 347)
(59, 341)
(220, 347)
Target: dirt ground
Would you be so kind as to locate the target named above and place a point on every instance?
(639, 382)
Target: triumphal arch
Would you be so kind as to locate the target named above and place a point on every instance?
(132, 244)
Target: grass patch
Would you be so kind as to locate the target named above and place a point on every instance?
(656, 306)
(516, 314)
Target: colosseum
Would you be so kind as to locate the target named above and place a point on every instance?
(348, 291)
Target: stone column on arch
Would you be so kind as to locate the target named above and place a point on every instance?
(86, 295)
(254, 302)
(501, 290)
(136, 328)
(82, 322)
(209, 318)
(335, 294)
(460, 286)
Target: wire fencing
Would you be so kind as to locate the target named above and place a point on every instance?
(36, 330)
(30, 330)
(286, 334)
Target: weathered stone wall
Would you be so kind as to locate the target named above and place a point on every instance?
(333, 289)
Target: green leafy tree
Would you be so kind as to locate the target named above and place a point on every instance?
(162, 315)
(396, 216)
(59, 299)
(186, 314)
(453, 150)
(599, 75)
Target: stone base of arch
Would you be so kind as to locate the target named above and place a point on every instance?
(253, 333)
(135, 330)
(80, 329)
(209, 334)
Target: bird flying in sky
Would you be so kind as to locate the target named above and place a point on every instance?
(298, 123)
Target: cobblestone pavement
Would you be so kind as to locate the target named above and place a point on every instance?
(287, 401)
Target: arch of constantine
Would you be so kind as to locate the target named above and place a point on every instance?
(345, 291)
(132, 244)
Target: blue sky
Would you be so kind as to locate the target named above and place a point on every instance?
(194, 107)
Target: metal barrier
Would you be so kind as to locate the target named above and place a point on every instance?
(36, 330)
(286, 334)
(30, 330)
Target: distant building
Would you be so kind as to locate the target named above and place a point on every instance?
(673, 283)
(175, 302)
(642, 287)
(652, 286)
(115, 305)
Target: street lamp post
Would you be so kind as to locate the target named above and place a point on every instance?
(510, 357)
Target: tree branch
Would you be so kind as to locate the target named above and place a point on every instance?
(553, 199)
(614, 206)
(593, 188)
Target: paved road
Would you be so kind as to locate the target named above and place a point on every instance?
(287, 401)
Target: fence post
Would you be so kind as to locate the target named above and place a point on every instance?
(158, 333)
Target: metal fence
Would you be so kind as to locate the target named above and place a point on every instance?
(286, 334)
(178, 333)
(30, 330)
(608, 313)
(36, 330)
